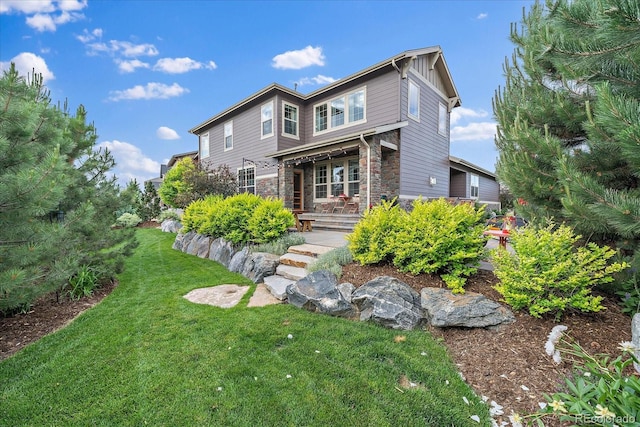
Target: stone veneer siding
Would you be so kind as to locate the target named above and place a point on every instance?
(267, 187)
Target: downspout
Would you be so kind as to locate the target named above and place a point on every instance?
(368, 170)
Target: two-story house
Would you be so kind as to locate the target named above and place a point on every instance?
(382, 132)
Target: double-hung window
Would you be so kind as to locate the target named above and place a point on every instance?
(414, 101)
(266, 120)
(204, 145)
(247, 180)
(228, 136)
(442, 119)
(290, 120)
(342, 111)
(474, 186)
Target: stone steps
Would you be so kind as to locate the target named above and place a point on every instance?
(337, 222)
(292, 267)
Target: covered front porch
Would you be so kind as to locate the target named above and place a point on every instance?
(340, 178)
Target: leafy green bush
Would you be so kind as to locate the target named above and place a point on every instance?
(549, 273)
(373, 236)
(332, 261)
(128, 220)
(438, 237)
(83, 283)
(241, 218)
(269, 221)
(169, 214)
(281, 245)
(601, 392)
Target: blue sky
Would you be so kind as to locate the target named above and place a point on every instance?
(148, 71)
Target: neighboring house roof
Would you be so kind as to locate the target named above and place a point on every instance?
(172, 161)
(470, 165)
(436, 60)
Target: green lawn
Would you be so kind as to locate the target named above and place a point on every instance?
(147, 356)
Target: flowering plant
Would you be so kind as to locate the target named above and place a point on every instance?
(601, 392)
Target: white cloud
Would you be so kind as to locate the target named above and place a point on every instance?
(26, 63)
(297, 59)
(181, 65)
(482, 16)
(27, 7)
(133, 50)
(41, 14)
(87, 36)
(317, 80)
(164, 132)
(131, 163)
(459, 113)
(152, 90)
(130, 66)
(473, 131)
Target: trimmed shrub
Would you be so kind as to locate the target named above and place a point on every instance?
(438, 237)
(128, 220)
(197, 215)
(550, 273)
(373, 236)
(269, 221)
(169, 214)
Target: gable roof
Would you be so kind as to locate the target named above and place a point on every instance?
(462, 162)
(437, 61)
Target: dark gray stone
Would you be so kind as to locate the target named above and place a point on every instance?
(389, 302)
(177, 243)
(259, 265)
(221, 251)
(346, 289)
(170, 226)
(318, 292)
(443, 308)
(189, 242)
(635, 337)
(202, 248)
(238, 259)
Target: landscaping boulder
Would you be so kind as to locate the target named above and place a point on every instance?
(635, 337)
(389, 302)
(202, 247)
(238, 259)
(260, 264)
(318, 292)
(196, 243)
(170, 226)
(346, 289)
(221, 251)
(444, 309)
(183, 240)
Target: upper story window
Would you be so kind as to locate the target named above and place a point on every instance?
(290, 120)
(442, 119)
(228, 136)
(204, 145)
(266, 120)
(414, 101)
(345, 110)
(474, 187)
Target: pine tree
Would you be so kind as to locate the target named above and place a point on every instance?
(56, 202)
(150, 203)
(569, 119)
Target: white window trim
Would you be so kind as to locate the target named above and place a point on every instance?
(471, 186)
(329, 183)
(409, 85)
(255, 178)
(224, 138)
(202, 139)
(273, 121)
(289, 135)
(347, 123)
(442, 107)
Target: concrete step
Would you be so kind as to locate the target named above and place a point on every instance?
(290, 272)
(277, 285)
(296, 260)
(310, 250)
(337, 222)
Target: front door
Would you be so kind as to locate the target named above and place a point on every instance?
(298, 196)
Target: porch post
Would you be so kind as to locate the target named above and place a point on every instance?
(285, 185)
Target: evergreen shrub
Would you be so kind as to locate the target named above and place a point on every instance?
(269, 221)
(438, 237)
(373, 236)
(550, 273)
(128, 220)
